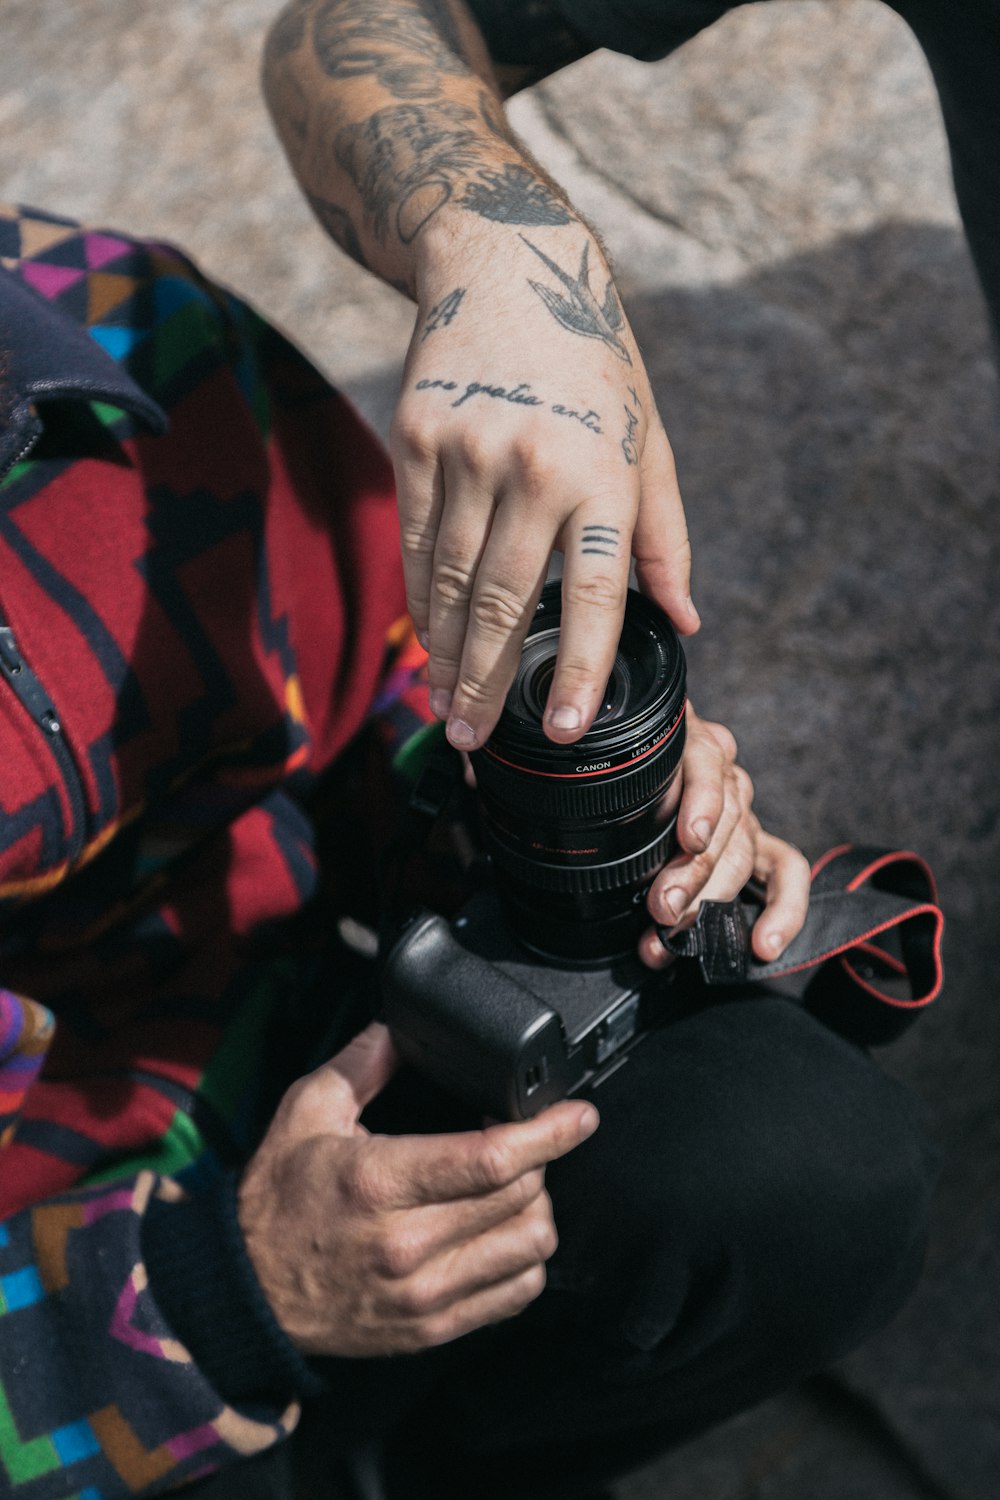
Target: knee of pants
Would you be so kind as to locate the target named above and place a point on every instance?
(755, 1172)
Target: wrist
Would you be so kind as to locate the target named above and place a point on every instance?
(461, 247)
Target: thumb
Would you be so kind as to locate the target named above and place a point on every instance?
(337, 1092)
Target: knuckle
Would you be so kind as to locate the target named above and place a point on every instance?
(412, 440)
(578, 672)
(533, 1282)
(531, 463)
(528, 1188)
(497, 610)
(417, 541)
(416, 1298)
(297, 1095)
(495, 1165)
(792, 861)
(473, 450)
(363, 1186)
(474, 694)
(452, 583)
(744, 786)
(546, 1238)
(726, 741)
(700, 868)
(436, 1330)
(397, 1255)
(596, 590)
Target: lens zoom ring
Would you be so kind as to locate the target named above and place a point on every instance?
(583, 880)
(575, 799)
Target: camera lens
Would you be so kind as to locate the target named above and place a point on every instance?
(576, 832)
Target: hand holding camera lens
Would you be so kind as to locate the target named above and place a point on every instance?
(722, 846)
(535, 991)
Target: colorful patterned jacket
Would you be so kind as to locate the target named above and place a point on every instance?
(200, 606)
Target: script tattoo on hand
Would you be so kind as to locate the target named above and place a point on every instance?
(590, 419)
(513, 195)
(630, 446)
(580, 311)
(599, 541)
(442, 312)
(517, 395)
(406, 50)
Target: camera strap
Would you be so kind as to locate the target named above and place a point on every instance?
(872, 938)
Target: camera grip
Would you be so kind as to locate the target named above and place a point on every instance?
(469, 1026)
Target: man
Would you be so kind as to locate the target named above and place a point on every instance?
(202, 606)
(526, 419)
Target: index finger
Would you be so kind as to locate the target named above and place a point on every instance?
(442, 1168)
(594, 589)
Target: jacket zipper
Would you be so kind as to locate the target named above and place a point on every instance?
(39, 705)
(12, 463)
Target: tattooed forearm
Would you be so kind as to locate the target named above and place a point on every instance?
(599, 541)
(406, 48)
(337, 223)
(407, 162)
(517, 395)
(513, 195)
(493, 117)
(385, 109)
(580, 311)
(404, 160)
(442, 312)
(288, 32)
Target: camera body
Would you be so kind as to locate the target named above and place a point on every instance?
(534, 991)
(481, 1016)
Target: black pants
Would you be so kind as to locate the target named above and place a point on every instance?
(753, 1205)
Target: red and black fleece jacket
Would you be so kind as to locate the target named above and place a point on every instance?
(201, 604)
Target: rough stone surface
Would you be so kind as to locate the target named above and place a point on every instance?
(777, 201)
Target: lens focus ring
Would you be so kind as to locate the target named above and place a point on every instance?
(585, 879)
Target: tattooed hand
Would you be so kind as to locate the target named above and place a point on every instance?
(526, 421)
(526, 424)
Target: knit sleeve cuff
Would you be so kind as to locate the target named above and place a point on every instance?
(205, 1285)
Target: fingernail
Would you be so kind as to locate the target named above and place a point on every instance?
(424, 639)
(702, 831)
(773, 943)
(461, 735)
(693, 609)
(589, 1121)
(440, 702)
(565, 718)
(673, 903)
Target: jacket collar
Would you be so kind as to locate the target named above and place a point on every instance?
(49, 357)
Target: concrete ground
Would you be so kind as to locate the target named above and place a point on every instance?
(777, 200)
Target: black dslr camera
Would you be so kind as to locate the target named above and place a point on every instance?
(535, 991)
